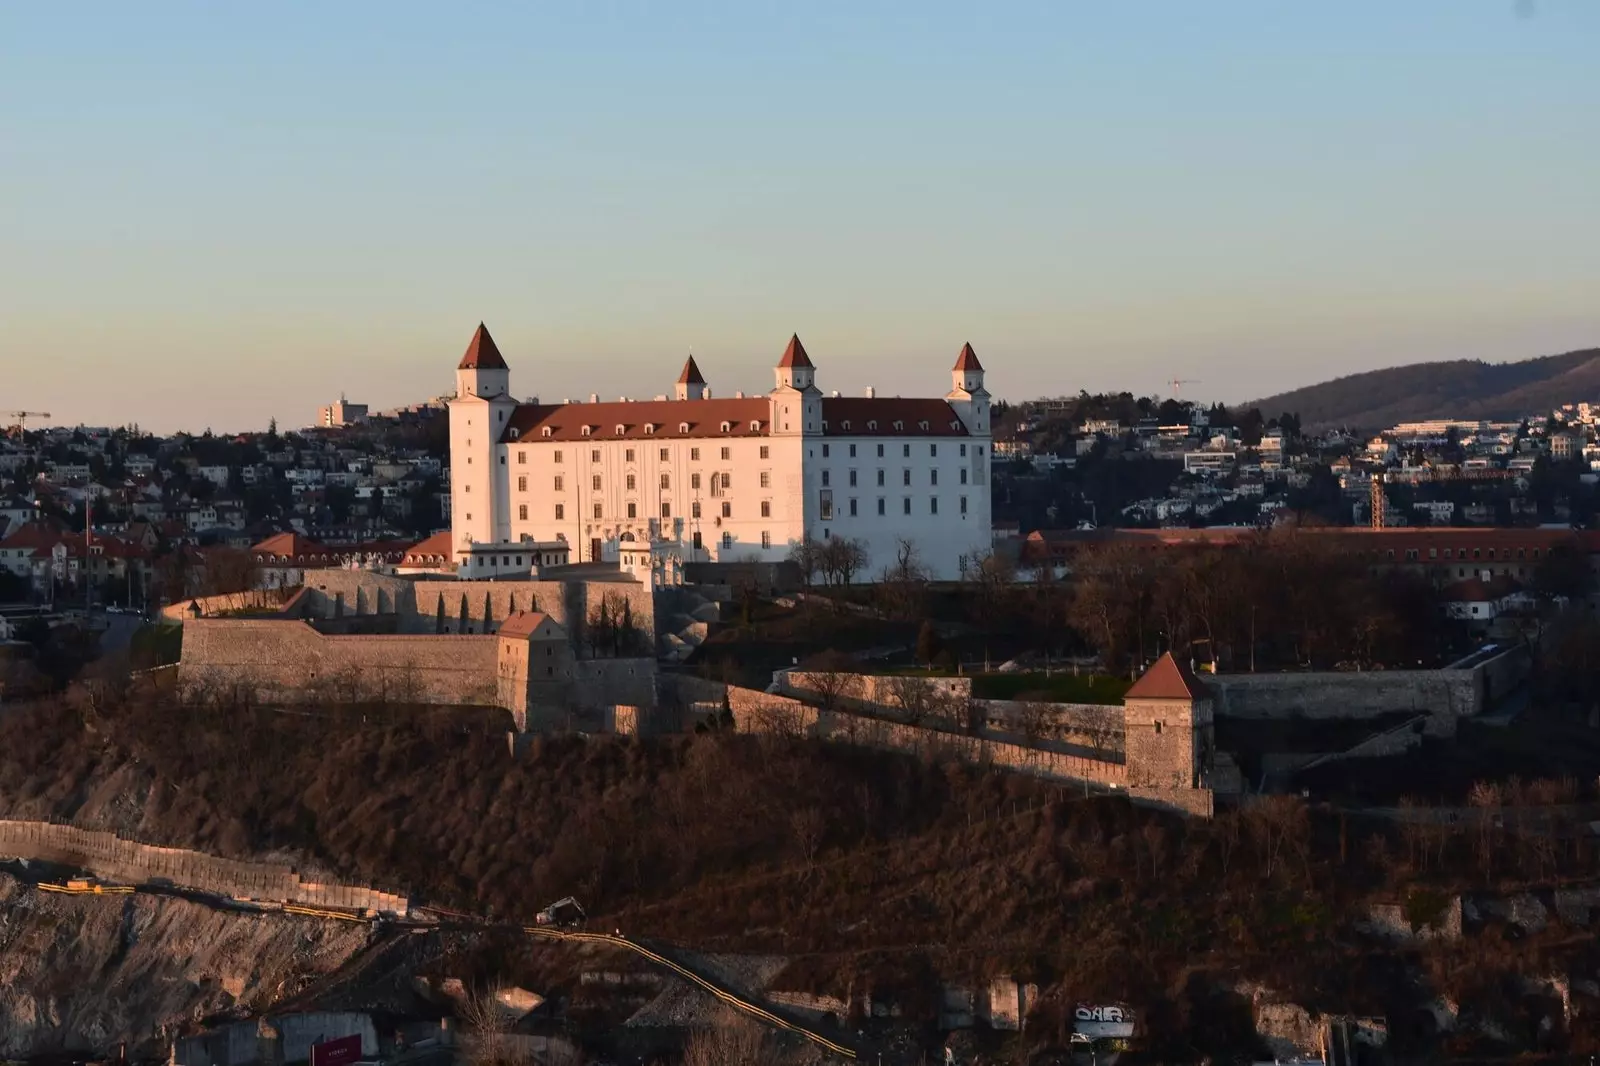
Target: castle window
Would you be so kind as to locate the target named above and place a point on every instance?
(515, 433)
(694, 511)
(560, 483)
(627, 456)
(666, 509)
(558, 455)
(630, 480)
(727, 540)
(587, 430)
(522, 484)
(905, 505)
(1158, 728)
(845, 425)
(522, 512)
(561, 512)
(963, 475)
(766, 479)
(621, 429)
(649, 427)
(594, 455)
(963, 505)
(933, 476)
(905, 451)
(923, 425)
(633, 510)
(726, 426)
(933, 505)
(824, 451)
(662, 455)
(683, 427)
(899, 425)
(755, 427)
(727, 480)
(872, 426)
(880, 505)
(933, 449)
(727, 453)
(852, 507)
(597, 512)
(963, 451)
(546, 431)
(522, 457)
(766, 538)
(694, 481)
(595, 482)
(694, 453)
(727, 509)
(766, 508)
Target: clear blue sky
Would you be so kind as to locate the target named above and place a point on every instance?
(211, 214)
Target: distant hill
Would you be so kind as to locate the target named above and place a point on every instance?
(1462, 388)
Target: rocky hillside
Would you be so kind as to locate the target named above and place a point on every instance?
(90, 972)
(1461, 388)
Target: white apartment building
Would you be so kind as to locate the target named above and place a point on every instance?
(705, 479)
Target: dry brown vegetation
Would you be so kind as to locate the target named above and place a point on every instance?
(877, 872)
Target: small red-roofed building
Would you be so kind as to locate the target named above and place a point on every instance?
(1170, 739)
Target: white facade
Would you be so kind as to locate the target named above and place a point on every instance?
(706, 479)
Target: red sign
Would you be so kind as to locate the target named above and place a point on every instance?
(340, 1052)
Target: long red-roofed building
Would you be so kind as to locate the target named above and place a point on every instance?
(707, 478)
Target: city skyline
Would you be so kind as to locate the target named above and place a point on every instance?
(229, 216)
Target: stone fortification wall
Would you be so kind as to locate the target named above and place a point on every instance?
(114, 859)
(286, 659)
(1445, 696)
(1094, 726)
(427, 606)
(762, 712)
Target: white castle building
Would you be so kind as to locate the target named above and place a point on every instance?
(703, 479)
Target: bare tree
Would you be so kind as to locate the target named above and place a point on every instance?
(925, 701)
(841, 558)
(489, 1024)
(807, 557)
(734, 1040)
(808, 826)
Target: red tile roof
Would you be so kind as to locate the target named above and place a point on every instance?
(884, 416)
(523, 624)
(795, 354)
(968, 359)
(1168, 679)
(36, 535)
(482, 353)
(691, 374)
(704, 418)
(289, 545)
(425, 551)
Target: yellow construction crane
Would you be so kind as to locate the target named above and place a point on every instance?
(19, 420)
(1178, 384)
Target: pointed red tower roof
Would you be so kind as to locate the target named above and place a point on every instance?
(1168, 679)
(481, 353)
(691, 374)
(795, 354)
(968, 359)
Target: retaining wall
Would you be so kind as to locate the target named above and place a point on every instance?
(108, 856)
(286, 659)
(1445, 696)
(762, 712)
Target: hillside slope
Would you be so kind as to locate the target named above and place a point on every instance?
(1462, 388)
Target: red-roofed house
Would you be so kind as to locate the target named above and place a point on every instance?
(705, 479)
(283, 558)
(1170, 737)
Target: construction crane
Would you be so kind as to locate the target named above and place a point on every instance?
(1178, 384)
(20, 420)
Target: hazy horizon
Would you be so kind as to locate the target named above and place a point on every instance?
(224, 215)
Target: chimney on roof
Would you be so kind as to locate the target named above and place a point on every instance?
(835, 394)
(871, 392)
(738, 394)
(594, 397)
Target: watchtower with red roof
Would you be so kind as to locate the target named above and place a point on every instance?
(1169, 736)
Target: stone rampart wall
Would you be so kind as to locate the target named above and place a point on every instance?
(110, 857)
(286, 659)
(762, 712)
(1445, 695)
